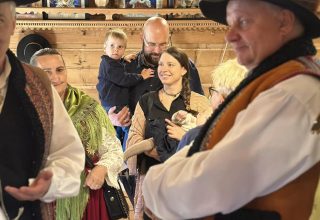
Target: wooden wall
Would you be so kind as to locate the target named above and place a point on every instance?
(82, 48)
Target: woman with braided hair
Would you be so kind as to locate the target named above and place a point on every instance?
(151, 126)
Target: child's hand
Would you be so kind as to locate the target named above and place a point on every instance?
(147, 73)
(181, 115)
(130, 57)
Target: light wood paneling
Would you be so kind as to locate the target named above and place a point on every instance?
(82, 49)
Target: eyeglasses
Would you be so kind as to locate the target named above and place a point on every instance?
(212, 91)
(152, 45)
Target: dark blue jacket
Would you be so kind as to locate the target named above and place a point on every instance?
(114, 82)
(154, 83)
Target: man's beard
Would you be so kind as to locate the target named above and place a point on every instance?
(150, 57)
(153, 60)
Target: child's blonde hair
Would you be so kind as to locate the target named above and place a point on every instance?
(227, 76)
(116, 33)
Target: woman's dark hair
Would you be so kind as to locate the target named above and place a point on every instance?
(183, 59)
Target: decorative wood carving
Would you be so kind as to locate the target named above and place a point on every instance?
(176, 25)
(130, 25)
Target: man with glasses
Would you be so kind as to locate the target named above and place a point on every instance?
(156, 39)
(215, 97)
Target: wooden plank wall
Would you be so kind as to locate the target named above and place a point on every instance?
(82, 50)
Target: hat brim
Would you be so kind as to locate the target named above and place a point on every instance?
(30, 44)
(216, 11)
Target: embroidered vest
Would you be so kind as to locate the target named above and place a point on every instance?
(295, 200)
(26, 127)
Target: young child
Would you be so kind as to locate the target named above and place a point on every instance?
(113, 80)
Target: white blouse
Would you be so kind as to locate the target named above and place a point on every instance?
(111, 157)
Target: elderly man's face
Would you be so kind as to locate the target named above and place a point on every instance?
(55, 67)
(255, 30)
(7, 26)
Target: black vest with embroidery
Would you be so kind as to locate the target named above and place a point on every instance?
(18, 162)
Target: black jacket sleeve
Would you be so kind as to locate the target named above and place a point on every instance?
(117, 74)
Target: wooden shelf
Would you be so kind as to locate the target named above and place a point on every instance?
(110, 12)
(125, 11)
(175, 25)
(178, 22)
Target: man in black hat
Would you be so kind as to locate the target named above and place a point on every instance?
(41, 155)
(258, 155)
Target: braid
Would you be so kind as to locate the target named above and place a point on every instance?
(186, 94)
(183, 59)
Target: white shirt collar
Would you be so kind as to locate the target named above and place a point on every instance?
(5, 74)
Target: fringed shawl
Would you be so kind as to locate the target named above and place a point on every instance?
(88, 118)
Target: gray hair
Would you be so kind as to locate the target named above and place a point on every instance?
(12, 5)
(43, 52)
(275, 9)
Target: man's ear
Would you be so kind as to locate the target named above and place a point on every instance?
(287, 22)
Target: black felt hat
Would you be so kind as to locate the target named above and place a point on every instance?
(216, 11)
(30, 44)
(20, 2)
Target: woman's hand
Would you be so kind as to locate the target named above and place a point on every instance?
(174, 131)
(95, 178)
